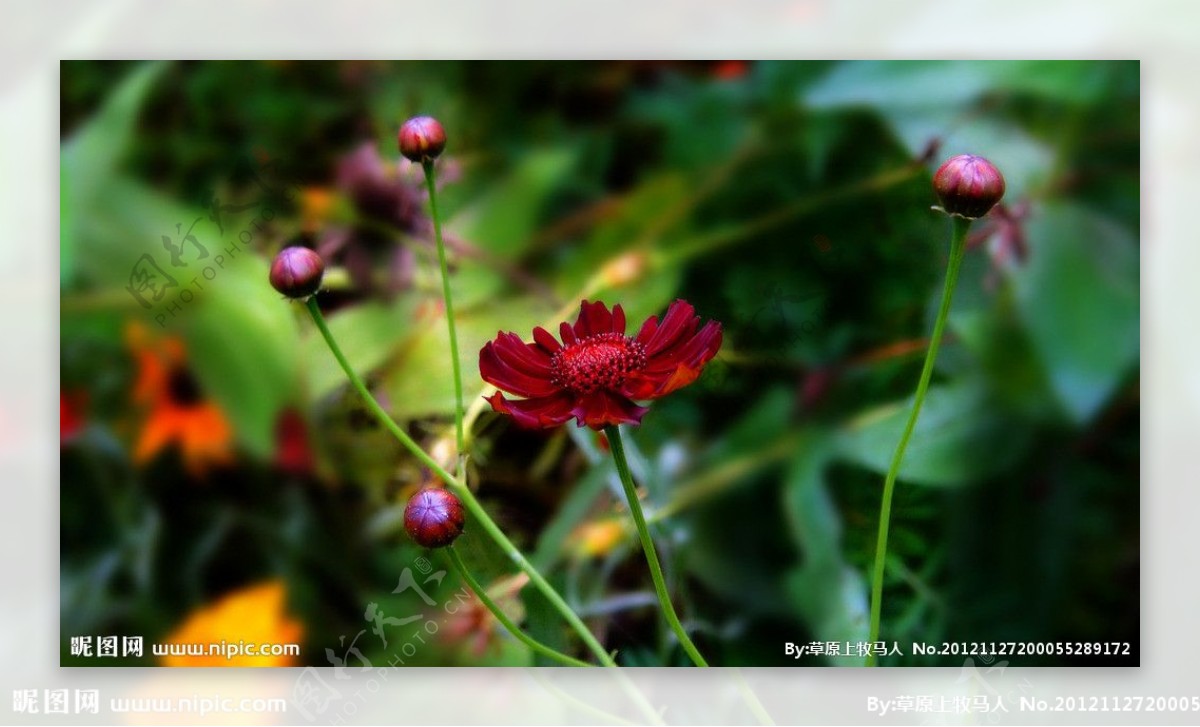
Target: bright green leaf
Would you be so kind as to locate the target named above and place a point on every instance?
(420, 381)
(367, 334)
(90, 158)
(505, 219)
(243, 343)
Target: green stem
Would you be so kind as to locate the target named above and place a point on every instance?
(639, 519)
(459, 488)
(539, 647)
(456, 365)
(958, 246)
(579, 703)
(751, 699)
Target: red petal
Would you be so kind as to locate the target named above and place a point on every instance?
(677, 367)
(601, 408)
(528, 358)
(618, 324)
(694, 351)
(546, 340)
(540, 413)
(647, 330)
(566, 334)
(593, 318)
(679, 323)
(501, 367)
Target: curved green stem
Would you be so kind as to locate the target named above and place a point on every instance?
(459, 488)
(639, 519)
(958, 246)
(524, 638)
(455, 364)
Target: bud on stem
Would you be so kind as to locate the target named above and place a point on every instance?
(422, 139)
(968, 185)
(296, 272)
(434, 517)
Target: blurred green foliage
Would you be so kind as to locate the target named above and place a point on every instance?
(790, 201)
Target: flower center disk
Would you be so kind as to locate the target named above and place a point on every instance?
(602, 361)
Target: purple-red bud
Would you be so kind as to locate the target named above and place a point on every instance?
(422, 139)
(968, 185)
(434, 517)
(296, 272)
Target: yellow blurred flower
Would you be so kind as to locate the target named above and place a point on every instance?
(624, 269)
(176, 412)
(253, 615)
(593, 539)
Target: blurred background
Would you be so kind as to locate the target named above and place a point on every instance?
(219, 482)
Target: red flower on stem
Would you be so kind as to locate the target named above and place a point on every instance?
(596, 372)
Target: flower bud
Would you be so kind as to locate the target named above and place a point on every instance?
(968, 185)
(422, 139)
(296, 272)
(434, 517)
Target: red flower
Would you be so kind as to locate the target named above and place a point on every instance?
(293, 454)
(72, 416)
(597, 371)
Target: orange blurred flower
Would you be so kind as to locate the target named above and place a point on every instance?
(316, 206)
(177, 413)
(252, 615)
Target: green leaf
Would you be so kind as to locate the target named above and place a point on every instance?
(830, 595)
(90, 159)
(421, 381)
(927, 100)
(639, 211)
(366, 333)
(119, 223)
(763, 422)
(960, 437)
(935, 83)
(242, 342)
(811, 512)
(472, 283)
(504, 220)
(1078, 297)
(242, 339)
(1000, 348)
(571, 513)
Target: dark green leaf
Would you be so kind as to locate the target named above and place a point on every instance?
(1078, 297)
(960, 437)
(830, 595)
